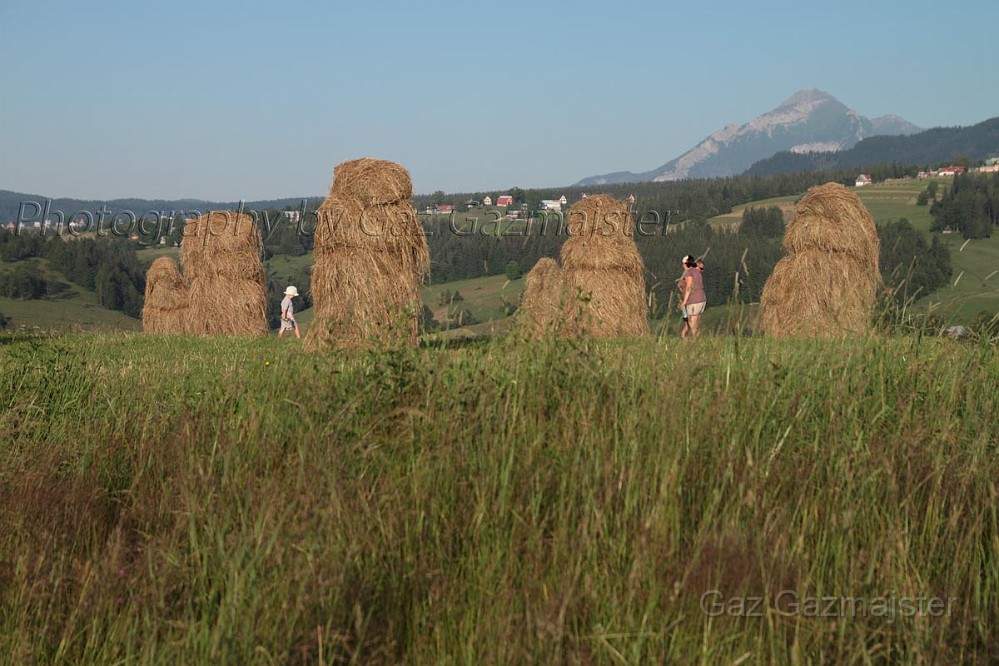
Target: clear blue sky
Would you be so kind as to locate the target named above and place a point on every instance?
(233, 99)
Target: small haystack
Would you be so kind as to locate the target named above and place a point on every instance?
(604, 273)
(370, 258)
(827, 283)
(165, 309)
(542, 306)
(221, 257)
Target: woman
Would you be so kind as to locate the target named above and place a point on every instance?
(694, 299)
(288, 322)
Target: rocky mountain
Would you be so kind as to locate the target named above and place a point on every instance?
(809, 121)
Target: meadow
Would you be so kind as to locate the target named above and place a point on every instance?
(169, 500)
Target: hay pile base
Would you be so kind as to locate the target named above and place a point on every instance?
(542, 306)
(604, 273)
(818, 294)
(827, 284)
(371, 257)
(165, 309)
(221, 257)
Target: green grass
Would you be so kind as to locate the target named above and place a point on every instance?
(175, 501)
(73, 309)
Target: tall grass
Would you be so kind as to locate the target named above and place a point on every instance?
(218, 501)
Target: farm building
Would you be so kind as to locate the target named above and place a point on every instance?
(504, 200)
(487, 201)
(953, 170)
(551, 204)
(862, 180)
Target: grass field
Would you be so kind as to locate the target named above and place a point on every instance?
(175, 501)
(75, 308)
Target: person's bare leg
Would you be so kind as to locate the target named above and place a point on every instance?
(281, 332)
(694, 321)
(684, 328)
(298, 334)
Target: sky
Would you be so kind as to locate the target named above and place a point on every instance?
(226, 100)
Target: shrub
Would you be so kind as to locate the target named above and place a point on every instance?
(24, 282)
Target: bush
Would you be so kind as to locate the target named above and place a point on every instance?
(4, 322)
(910, 265)
(512, 270)
(24, 282)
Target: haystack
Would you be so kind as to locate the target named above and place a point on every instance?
(542, 306)
(165, 309)
(221, 258)
(604, 274)
(370, 258)
(827, 283)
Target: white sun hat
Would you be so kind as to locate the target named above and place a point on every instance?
(291, 291)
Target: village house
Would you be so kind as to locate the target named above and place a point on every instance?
(863, 180)
(444, 209)
(487, 200)
(504, 200)
(953, 170)
(551, 204)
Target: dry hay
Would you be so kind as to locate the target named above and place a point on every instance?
(832, 218)
(543, 302)
(221, 257)
(165, 308)
(818, 294)
(371, 256)
(604, 273)
(369, 181)
(827, 284)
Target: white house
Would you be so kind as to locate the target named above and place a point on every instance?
(551, 204)
(487, 200)
(562, 200)
(293, 215)
(863, 179)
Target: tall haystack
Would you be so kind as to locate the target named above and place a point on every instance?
(604, 274)
(827, 283)
(221, 257)
(370, 258)
(165, 309)
(542, 306)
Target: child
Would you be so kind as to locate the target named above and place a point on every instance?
(288, 322)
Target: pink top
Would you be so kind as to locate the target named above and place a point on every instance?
(697, 294)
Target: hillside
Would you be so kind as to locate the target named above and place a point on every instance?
(809, 120)
(934, 146)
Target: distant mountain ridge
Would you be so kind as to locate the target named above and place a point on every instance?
(808, 121)
(931, 147)
(10, 203)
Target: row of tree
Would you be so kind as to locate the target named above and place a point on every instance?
(970, 205)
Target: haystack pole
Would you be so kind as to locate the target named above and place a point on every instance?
(165, 309)
(221, 256)
(604, 273)
(827, 283)
(371, 256)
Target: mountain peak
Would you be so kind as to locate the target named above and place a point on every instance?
(810, 120)
(808, 96)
